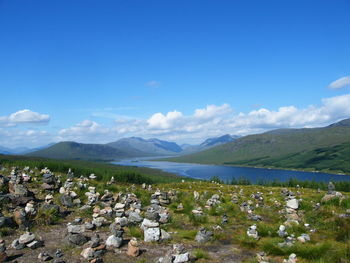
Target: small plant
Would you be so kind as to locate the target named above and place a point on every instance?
(135, 232)
(47, 217)
(198, 220)
(247, 241)
(200, 253)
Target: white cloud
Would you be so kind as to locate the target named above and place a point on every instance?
(24, 116)
(161, 121)
(86, 128)
(212, 111)
(340, 83)
(212, 120)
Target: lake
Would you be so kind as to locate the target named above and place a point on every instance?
(203, 171)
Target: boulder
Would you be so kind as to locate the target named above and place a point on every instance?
(77, 239)
(113, 241)
(151, 234)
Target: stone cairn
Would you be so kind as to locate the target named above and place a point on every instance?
(155, 215)
(261, 257)
(203, 235)
(115, 240)
(133, 248)
(27, 240)
(94, 252)
(291, 209)
(252, 232)
(331, 193)
(76, 233)
(178, 254)
(291, 259)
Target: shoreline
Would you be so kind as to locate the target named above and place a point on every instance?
(261, 167)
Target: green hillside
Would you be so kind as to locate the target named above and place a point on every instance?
(288, 148)
(331, 159)
(80, 151)
(103, 171)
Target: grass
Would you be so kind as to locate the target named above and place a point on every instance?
(47, 217)
(329, 243)
(201, 254)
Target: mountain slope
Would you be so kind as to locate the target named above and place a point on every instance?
(80, 151)
(5, 150)
(211, 142)
(331, 158)
(208, 143)
(142, 147)
(264, 149)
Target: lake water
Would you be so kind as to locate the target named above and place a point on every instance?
(202, 171)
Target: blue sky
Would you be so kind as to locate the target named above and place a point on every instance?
(97, 71)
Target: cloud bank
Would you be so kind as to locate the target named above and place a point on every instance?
(212, 120)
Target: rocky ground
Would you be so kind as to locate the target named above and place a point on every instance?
(51, 217)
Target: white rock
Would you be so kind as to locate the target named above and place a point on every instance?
(113, 241)
(152, 234)
(293, 203)
(75, 229)
(87, 253)
(26, 238)
(146, 223)
(181, 258)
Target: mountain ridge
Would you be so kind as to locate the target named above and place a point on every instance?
(263, 149)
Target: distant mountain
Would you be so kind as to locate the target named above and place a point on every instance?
(208, 143)
(343, 123)
(5, 150)
(265, 149)
(22, 150)
(81, 151)
(219, 140)
(150, 147)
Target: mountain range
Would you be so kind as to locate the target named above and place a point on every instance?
(123, 148)
(22, 150)
(326, 148)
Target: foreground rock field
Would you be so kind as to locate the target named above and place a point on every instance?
(52, 217)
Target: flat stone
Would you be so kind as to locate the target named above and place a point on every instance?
(75, 229)
(135, 217)
(77, 239)
(26, 238)
(149, 224)
(181, 258)
(35, 244)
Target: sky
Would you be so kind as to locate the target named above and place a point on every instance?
(184, 70)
